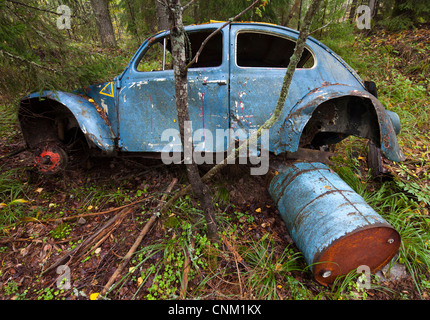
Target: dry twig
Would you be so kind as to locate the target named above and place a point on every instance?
(108, 227)
(142, 234)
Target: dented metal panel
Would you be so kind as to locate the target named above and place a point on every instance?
(336, 230)
(104, 97)
(294, 123)
(90, 121)
(254, 92)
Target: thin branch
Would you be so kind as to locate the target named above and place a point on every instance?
(326, 25)
(162, 2)
(84, 215)
(35, 8)
(28, 61)
(85, 244)
(137, 242)
(196, 57)
(185, 7)
(14, 153)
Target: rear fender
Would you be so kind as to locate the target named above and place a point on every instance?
(379, 127)
(90, 118)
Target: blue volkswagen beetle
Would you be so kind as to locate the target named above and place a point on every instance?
(233, 87)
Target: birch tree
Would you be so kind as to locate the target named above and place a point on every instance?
(178, 43)
(180, 67)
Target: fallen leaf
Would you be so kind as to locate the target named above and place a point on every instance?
(94, 296)
(29, 219)
(258, 210)
(38, 190)
(19, 201)
(132, 269)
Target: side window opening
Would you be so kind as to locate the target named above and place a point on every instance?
(211, 56)
(153, 59)
(268, 51)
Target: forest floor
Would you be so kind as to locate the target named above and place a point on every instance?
(48, 233)
(51, 215)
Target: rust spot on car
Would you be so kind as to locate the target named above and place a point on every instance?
(99, 109)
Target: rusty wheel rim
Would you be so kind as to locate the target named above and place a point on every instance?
(51, 159)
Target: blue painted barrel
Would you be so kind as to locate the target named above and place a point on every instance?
(336, 230)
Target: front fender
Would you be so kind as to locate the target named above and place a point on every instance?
(92, 123)
(291, 129)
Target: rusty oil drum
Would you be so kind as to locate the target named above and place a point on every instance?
(334, 228)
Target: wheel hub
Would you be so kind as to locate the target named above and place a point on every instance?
(51, 159)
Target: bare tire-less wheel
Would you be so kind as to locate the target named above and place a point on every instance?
(50, 159)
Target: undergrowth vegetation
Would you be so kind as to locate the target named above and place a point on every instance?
(401, 74)
(254, 260)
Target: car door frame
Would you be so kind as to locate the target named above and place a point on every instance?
(156, 117)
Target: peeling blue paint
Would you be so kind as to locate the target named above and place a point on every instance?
(87, 116)
(140, 106)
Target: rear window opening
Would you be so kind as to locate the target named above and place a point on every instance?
(263, 50)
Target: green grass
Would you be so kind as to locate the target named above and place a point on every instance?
(161, 266)
(271, 271)
(403, 202)
(8, 120)
(13, 197)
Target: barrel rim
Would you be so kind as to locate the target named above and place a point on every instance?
(319, 262)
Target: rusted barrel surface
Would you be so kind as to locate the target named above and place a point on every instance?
(336, 230)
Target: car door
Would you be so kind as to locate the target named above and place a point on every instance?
(259, 58)
(147, 107)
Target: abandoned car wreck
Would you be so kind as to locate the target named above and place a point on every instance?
(233, 88)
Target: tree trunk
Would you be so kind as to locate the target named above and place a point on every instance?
(180, 70)
(352, 11)
(201, 190)
(372, 6)
(132, 22)
(104, 22)
(294, 60)
(162, 16)
(293, 10)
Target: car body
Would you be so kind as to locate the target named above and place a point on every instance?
(234, 85)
